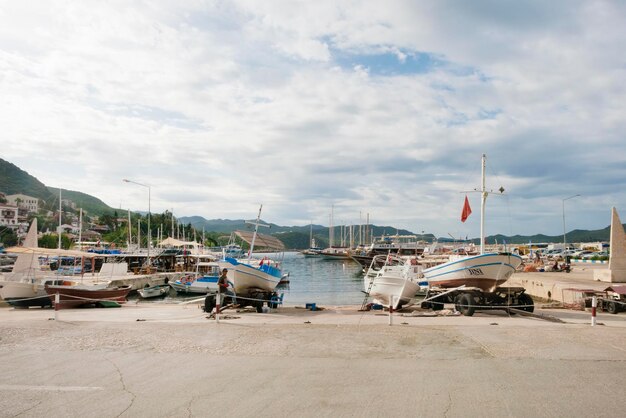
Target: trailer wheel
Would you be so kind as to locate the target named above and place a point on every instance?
(612, 307)
(209, 303)
(259, 306)
(436, 306)
(527, 303)
(463, 303)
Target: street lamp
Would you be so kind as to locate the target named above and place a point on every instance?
(149, 232)
(564, 238)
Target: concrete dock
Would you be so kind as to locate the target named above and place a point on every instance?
(172, 361)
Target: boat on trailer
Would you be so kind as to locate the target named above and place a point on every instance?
(484, 271)
(473, 282)
(262, 274)
(392, 280)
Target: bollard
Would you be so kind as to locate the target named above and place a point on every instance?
(57, 299)
(391, 310)
(594, 305)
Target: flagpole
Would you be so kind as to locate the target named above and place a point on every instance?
(482, 209)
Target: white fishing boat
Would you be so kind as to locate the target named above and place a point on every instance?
(485, 270)
(23, 285)
(202, 281)
(392, 278)
(153, 291)
(250, 274)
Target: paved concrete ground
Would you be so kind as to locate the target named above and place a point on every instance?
(171, 361)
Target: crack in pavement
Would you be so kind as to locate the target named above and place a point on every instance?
(26, 410)
(119, 372)
(449, 406)
(189, 414)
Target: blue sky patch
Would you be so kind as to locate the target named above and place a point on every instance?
(389, 63)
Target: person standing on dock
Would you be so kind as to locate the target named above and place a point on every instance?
(223, 286)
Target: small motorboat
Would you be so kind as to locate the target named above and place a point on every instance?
(153, 291)
(77, 295)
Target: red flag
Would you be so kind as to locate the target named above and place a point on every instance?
(466, 210)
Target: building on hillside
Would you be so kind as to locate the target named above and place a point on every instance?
(31, 204)
(68, 204)
(8, 216)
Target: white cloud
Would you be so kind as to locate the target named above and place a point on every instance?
(224, 105)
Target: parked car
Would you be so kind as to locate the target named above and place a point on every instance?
(580, 254)
(596, 255)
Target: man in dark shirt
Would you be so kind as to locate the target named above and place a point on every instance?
(223, 286)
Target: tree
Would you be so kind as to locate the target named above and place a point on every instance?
(52, 241)
(7, 237)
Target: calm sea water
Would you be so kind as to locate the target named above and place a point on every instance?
(311, 280)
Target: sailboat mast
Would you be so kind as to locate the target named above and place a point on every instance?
(80, 229)
(60, 228)
(256, 228)
(482, 207)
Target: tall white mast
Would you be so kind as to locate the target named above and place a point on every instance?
(256, 224)
(80, 229)
(130, 230)
(482, 207)
(331, 230)
(60, 228)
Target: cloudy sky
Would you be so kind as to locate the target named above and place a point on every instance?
(374, 107)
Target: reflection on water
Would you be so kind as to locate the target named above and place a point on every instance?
(330, 282)
(311, 280)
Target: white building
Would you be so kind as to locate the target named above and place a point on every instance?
(31, 204)
(8, 216)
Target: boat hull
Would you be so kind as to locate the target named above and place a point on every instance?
(153, 292)
(484, 271)
(74, 296)
(244, 277)
(24, 295)
(200, 286)
(400, 290)
(394, 284)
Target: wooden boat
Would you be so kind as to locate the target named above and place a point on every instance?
(484, 271)
(153, 292)
(253, 274)
(75, 296)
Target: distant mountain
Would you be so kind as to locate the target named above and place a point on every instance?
(576, 235)
(14, 180)
(294, 237)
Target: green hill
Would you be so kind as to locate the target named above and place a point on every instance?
(91, 205)
(14, 180)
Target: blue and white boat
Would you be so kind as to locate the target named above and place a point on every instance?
(485, 270)
(249, 275)
(203, 281)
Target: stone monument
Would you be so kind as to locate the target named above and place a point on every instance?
(616, 273)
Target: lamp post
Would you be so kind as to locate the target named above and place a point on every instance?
(149, 232)
(564, 238)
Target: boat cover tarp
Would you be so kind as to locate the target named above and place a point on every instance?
(173, 242)
(262, 240)
(51, 252)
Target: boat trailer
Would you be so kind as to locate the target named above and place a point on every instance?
(468, 300)
(256, 298)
